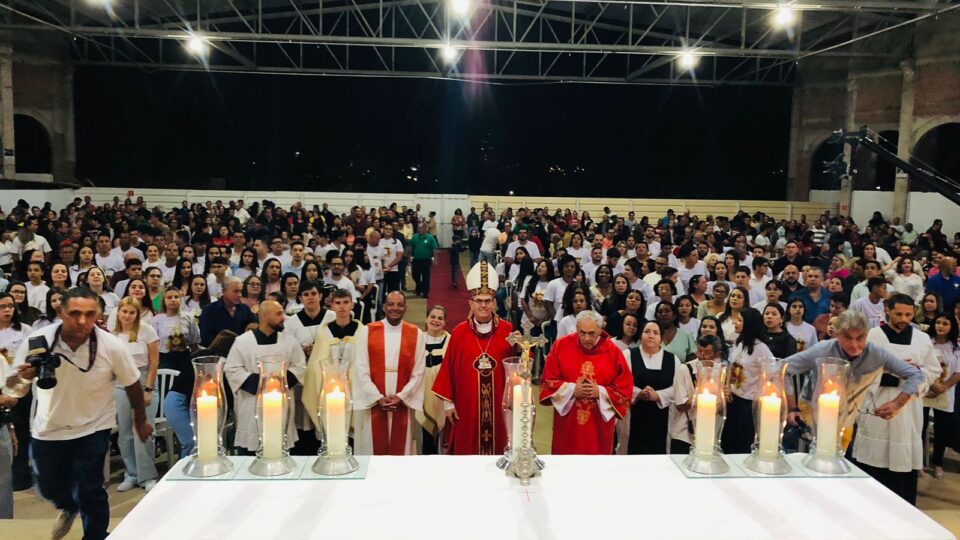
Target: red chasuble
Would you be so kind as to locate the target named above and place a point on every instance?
(474, 381)
(583, 430)
(387, 441)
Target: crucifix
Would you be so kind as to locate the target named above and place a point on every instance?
(526, 342)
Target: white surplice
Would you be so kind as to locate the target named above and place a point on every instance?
(896, 444)
(243, 362)
(366, 394)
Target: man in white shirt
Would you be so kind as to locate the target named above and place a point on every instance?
(240, 212)
(760, 276)
(489, 245)
(392, 254)
(871, 306)
(553, 295)
(73, 419)
(523, 236)
(323, 246)
(689, 264)
(107, 259)
(170, 256)
(125, 247)
(31, 224)
(590, 267)
(297, 250)
(337, 279)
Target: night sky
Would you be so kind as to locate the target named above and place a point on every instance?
(181, 129)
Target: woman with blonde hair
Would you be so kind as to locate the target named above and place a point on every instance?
(144, 346)
(431, 417)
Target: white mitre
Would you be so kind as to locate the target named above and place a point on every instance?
(482, 279)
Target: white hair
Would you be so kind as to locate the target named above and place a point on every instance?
(232, 280)
(590, 315)
(850, 320)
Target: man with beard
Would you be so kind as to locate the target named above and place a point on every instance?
(790, 281)
(389, 364)
(243, 373)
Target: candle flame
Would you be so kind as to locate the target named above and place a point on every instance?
(336, 388)
(203, 393)
(773, 395)
(832, 392)
(706, 392)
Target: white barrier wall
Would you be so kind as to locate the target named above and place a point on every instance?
(922, 208)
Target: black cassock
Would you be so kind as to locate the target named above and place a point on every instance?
(649, 423)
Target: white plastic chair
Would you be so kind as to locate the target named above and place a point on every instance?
(161, 426)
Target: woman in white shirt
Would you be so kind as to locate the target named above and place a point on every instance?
(942, 394)
(144, 346)
(745, 356)
(906, 281)
(532, 300)
(431, 416)
(626, 336)
(176, 329)
(52, 314)
(685, 319)
(136, 289)
(575, 299)
(97, 282)
(577, 250)
(802, 331)
(198, 299)
(736, 303)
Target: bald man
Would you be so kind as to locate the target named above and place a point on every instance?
(389, 365)
(243, 372)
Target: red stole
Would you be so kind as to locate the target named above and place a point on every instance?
(387, 441)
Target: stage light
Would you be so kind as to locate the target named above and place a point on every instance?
(460, 7)
(688, 60)
(784, 17)
(197, 45)
(449, 53)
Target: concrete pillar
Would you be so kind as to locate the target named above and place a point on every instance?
(6, 111)
(798, 189)
(850, 124)
(901, 189)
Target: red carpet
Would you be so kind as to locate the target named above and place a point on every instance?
(455, 300)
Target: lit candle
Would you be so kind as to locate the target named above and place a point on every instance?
(828, 418)
(706, 433)
(336, 422)
(207, 427)
(770, 426)
(518, 417)
(273, 424)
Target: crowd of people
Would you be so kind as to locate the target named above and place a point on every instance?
(628, 306)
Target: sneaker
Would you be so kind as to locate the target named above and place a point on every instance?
(63, 524)
(148, 485)
(127, 485)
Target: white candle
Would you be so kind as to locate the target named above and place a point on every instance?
(518, 417)
(336, 423)
(207, 427)
(828, 416)
(706, 433)
(770, 426)
(273, 424)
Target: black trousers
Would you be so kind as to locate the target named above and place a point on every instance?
(392, 281)
(903, 484)
(421, 276)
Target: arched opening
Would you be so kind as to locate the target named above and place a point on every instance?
(936, 151)
(33, 145)
(819, 178)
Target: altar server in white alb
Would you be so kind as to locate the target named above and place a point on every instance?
(243, 372)
(387, 392)
(892, 450)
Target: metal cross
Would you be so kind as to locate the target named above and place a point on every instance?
(526, 342)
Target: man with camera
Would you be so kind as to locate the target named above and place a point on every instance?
(72, 368)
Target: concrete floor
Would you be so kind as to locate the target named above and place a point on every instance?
(940, 499)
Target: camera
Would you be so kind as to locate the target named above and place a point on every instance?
(40, 358)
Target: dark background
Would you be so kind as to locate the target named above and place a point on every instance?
(173, 129)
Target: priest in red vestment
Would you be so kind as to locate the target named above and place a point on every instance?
(588, 381)
(471, 376)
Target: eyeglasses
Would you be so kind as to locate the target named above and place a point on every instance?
(6, 306)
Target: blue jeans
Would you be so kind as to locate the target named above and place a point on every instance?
(176, 407)
(137, 455)
(488, 256)
(70, 475)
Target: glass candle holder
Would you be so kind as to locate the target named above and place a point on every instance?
(272, 410)
(709, 411)
(829, 417)
(208, 415)
(512, 370)
(334, 417)
(769, 417)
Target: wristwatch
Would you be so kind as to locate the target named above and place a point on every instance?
(147, 389)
